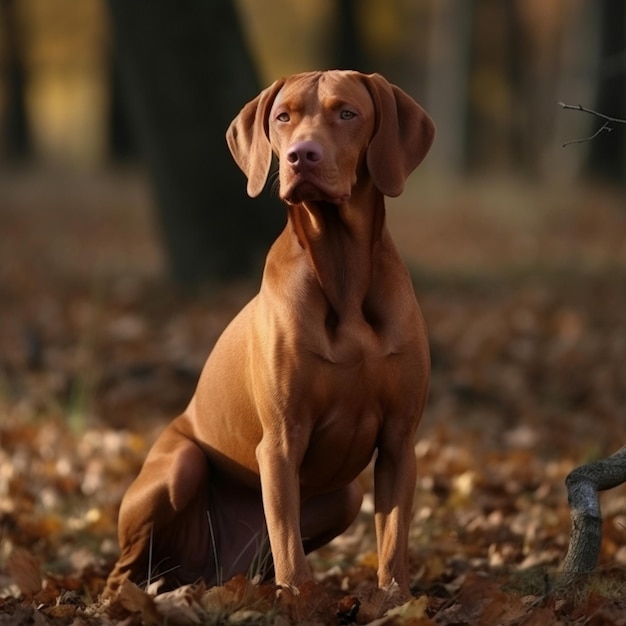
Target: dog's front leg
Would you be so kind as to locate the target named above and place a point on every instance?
(394, 487)
(279, 467)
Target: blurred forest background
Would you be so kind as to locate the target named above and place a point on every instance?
(89, 86)
(117, 194)
(490, 72)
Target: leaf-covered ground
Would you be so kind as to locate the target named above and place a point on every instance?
(523, 293)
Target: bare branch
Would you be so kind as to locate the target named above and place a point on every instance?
(579, 107)
(605, 127)
(583, 485)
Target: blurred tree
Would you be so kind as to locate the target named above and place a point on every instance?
(607, 157)
(514, 62)
(186, 72)
(349, 53)
(543, 59)
(16, 133)
(493, 126)
(122, 146)
(447, 80)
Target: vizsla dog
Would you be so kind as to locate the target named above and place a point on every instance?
(326, 366)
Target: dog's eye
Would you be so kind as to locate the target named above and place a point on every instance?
(346, 114)
(283, 117)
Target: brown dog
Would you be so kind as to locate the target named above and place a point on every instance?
(327, 365)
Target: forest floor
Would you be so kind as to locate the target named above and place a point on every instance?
(523, 291)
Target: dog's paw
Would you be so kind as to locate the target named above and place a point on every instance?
(292, 589)
(397, 594)
(376, 602)
(304, 602)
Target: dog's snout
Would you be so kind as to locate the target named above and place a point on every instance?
(305, 153)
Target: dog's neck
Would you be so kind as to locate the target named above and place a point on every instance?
(340, 244)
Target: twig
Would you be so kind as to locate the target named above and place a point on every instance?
(578, 107)
(605, 127)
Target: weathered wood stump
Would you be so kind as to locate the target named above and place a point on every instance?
(583, 485)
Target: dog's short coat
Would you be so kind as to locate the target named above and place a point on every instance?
(326, 366)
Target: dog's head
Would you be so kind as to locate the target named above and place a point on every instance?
(327, 130)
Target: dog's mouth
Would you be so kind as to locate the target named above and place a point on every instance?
(304, 190)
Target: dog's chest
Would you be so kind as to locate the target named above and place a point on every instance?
(347, 405)
(356, 340)
(342, 442)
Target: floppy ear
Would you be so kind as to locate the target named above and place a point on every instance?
(247, 138)
(402, 137)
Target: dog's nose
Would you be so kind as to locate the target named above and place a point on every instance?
(305, 153)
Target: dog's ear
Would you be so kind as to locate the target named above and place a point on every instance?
(402, 137)
(248, 140)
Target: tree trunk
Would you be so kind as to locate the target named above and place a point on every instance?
(186, 72)
(349, 49)
(16, 132)
(121, 141)
(449, 69)
(607, 157)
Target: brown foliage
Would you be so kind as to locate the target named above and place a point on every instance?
(528, 382)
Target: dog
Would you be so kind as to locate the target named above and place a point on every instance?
(325, 368)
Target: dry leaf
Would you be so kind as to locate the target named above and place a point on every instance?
(135, 600)
(369, 559)
(413, 609)
(542, 616)
(220, 598)
(25, 570)
(61, 611)
(527, 381)
(181, 606)
(246, 616)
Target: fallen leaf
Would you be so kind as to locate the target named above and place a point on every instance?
(135, 600)
(541, 616)
(25, 570)
(348, 609)
(61, 611)
(246, 616)
(181, 605)
(411, 613)
(219, 598)
(413, 609)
